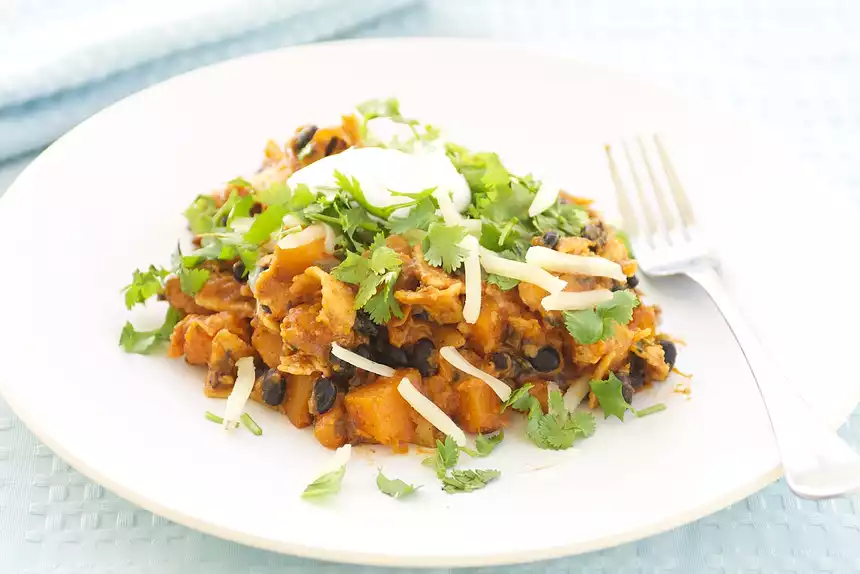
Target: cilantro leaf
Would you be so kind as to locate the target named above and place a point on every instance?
(421, 217)
(145, 342)
(395, 488)
(655, 408)
(383, 305)
(325, 485)
(468, 480)
(200, 214)
(144, 284)
(585, 422)
(446, 456)
(379, 108)
(192, 280)
(353, 188)
(383, 258)
(556, 430)
(503, 283)
(442, 246)
(276, 194)
(265, 224)
(610, 396)
(354, 269)
(519, 399)
(485, 444)
(376, 276)
(589, 326)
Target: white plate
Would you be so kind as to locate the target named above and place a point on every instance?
(107, 198)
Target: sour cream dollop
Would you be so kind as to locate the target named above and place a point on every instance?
(382, 170)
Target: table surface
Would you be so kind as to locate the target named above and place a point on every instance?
(791, 66)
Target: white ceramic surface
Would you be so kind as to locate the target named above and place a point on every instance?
(108, 196)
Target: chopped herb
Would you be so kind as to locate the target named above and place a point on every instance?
(250, 424)
(558, 429)
(655, 408)
(485, 444)
(144, 284)
(468, 480)
(376, 275)
(610, 396)
(395, 488)
(325, 485)
(200, 214)
(446, 456)
(278, 193)
(519, 399)
(145, 342)
(421, 217)
(213, 417)
(442, 246)
(353, 188)
(380, 108)
(589, 326)
(503, 283)
(265, 224)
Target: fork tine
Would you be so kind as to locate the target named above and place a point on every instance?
(685, 209)
(628, 216)
(650, 220)
(665, 212)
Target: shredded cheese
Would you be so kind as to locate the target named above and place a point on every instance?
(459, 362)
(473, 226)
(575, 393)
(240, 393)
(472, 308)
(428, 409)
(305, 236)
(358, 361)
(330, 238)
(552, 260)
(446, 206)
(545, 198)
(575, 300)
(525, 272)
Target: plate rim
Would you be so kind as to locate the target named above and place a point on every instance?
(370, 558)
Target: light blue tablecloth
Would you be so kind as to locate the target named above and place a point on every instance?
(793, 66)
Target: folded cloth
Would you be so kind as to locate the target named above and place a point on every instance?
(63, 60)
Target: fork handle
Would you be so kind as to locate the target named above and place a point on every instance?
(816, 461)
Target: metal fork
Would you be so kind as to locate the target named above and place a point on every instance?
(816, 461)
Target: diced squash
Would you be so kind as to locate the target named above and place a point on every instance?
(485, 334)
(378, 413)
(267, 343)
(330, 427)
(479, 406)
(193, 335)
(295, 405)
(227, 348)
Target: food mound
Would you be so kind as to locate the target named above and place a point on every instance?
(392, 287)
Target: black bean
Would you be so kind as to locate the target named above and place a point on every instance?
(265, 308)
(421, 353)
(501, 361)
(627, 391)
(632, 282)
(670, 352)
(635, 380)
(365, 351)
(325, 392)
(259, 368)
(239, 272)
(256, 209)
(550, 239)
(616, 286)
(546, 360)
(393, 356)
(341, 370)
(274, 387)
(637, 364)
(332, 145)
(364, 325)
(420, 315)
(304, 138)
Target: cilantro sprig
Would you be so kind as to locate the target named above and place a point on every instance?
(144, 285)
(442, 246)
(589, 326)
(448, 453)
(556, 430)
(468, 480)
(146, 342)
(610, 396)
(446, 456)
(395, 488)
(376, 275)
(326, 485)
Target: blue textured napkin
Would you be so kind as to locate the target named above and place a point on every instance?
(63, 60)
